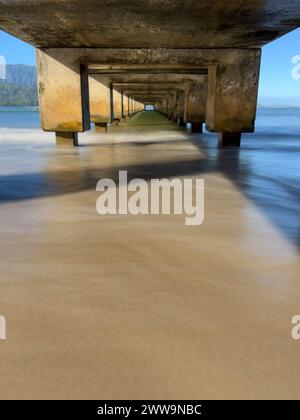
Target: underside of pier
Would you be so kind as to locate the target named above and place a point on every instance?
(139, 305)
(102, 61)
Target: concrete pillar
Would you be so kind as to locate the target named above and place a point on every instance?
(111, 96)
(229, 139)
(66, 138)
(63, 93)
(165, 106)
(197, 127)
(168, 105)
(99, 103)
(131, 106)
(101, 127)
(179, 110)
(195, 107)
(139, 106)
(171, 104)
(181, 122)
(185, 102)
(128, 106)
(122, 106)
(125, 105)
(232, 94)
(117, 104)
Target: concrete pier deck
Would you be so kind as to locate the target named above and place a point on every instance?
(143, 307)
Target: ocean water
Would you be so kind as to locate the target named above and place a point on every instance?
(269, 121)
(19, 117)
(266, 169)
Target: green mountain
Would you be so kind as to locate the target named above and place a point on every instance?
(20, 87)
(20, 74)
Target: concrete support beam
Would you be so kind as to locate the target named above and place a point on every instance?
(139, 106)
(179, 110)
(99, 100)
(63, 92)
(232, 84)
(101, 127)
(232, 91)
(179, 25)
(66, 138)
(117, 104)
(181, 122)
(111, 102)
(197, 127)
(131, 106)
(172, 98)
(229, 139)
(195, 107)
(128, 106)
(122, 105)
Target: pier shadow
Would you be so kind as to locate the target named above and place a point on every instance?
(275, 197)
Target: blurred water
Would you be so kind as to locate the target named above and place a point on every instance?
(269, 121)
(266, 168)
(174, 305)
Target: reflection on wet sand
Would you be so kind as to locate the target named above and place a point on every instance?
(144, 306)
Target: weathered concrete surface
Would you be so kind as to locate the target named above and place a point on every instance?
(179, 109)
(148, 24)
(66, 138)
(232, 92)
(195, 102)
(101, 127)
(168, 86)
(62, 87)
(144, 307)
(171, 103)
(117, 101)
(123, 111)
(99, 95)
(135, 105)
(232, 81)
(197, 127)
(127, 106)
(220, 38)
(229, 139)
(154, 77)
(148, 61)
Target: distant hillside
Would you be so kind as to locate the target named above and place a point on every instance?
(14, 95)
(22, 75)
(19, 88)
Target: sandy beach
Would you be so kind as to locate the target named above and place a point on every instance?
(144, 307)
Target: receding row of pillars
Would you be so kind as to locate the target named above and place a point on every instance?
(231, 81)
(71, 138)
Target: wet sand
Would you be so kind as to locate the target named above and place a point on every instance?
(144, 307)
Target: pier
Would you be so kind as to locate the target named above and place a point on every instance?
(196, 61)
(148, 306)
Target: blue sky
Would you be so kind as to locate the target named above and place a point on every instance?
(277, 87)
